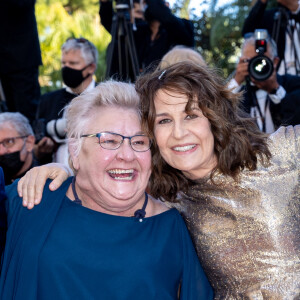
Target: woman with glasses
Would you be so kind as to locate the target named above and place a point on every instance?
(237, 188)
(100, 235)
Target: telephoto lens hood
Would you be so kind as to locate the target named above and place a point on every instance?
(260, 67)
(57, 130)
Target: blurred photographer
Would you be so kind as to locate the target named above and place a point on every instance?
(155, 32)
(79, 63)
(272, 99)
(283, 23)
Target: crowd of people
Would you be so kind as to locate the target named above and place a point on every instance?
(120, 165)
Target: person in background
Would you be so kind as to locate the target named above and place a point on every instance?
(100, 236)
(283, 23)
(179, 54)
(20, 57)
(16, 146)
(79, 63)
(237, 188)
(3, 217)
(272, 102)
(157, 30)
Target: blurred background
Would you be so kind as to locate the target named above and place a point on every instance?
(217, 24)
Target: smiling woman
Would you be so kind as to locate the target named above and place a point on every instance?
(100, 236)
(237, 188)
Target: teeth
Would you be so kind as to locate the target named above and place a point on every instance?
(123, 178)
(184, 148)
(117, 171)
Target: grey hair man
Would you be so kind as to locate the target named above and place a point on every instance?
(273, 101)
(79, 63)
(16, 145)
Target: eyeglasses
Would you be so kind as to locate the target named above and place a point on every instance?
(113, 141)
(10, 142)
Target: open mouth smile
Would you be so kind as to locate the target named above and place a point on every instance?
(184, 148)
(121, 174)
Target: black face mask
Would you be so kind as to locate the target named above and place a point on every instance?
(73, 78)
(11, 165)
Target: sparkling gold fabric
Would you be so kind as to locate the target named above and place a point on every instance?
(247, 234)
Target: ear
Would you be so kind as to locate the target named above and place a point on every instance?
(30, 141)
(276, 62)
(92, 68)
(73, 160)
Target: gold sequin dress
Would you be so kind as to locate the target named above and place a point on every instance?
(247, 234)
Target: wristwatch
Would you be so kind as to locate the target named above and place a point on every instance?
(277, 95)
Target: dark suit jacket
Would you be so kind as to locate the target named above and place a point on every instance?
(287, 112)
(19, 43)
(262, 18)
(3, 224)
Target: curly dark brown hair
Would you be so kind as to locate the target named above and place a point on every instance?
(238, 143)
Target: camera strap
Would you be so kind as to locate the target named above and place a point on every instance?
(258, 113)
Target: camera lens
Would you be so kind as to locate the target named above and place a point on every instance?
(260, 67)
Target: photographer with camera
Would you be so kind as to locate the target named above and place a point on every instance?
(155, 30)
(79, 63)
(272, 99)
(283, 23)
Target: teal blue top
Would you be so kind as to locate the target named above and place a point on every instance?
(84, 254)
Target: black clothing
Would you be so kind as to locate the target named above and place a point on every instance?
(51, 104)
(262, 18)
(50, 108)
(287, 112)
(20, 56)
(22, 91)
(173, 31)
(3, 223)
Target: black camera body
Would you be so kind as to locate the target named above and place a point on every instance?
(260, 67)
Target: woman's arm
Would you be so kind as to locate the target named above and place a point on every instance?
(31, 186)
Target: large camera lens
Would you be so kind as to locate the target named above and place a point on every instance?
(260, 67)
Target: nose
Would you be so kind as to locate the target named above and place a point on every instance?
(179, 130)
(125, 152)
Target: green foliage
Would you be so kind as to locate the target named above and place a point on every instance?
(218, 33)
(59, 20)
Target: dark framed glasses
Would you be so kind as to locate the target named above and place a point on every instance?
(113, 141)
(10, 142)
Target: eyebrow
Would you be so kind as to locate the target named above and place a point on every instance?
(161, 115)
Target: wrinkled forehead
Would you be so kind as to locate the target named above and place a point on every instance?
(8, 126)
(107, 118)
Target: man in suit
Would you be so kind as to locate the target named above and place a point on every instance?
(3, 224)
(274, 101)
(283, 23)
(20, 56)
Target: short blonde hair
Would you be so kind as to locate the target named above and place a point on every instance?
(81, 108)
(180, 54)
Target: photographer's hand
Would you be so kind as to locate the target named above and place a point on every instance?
(268, 85)
(43, 147)
(241, 70)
